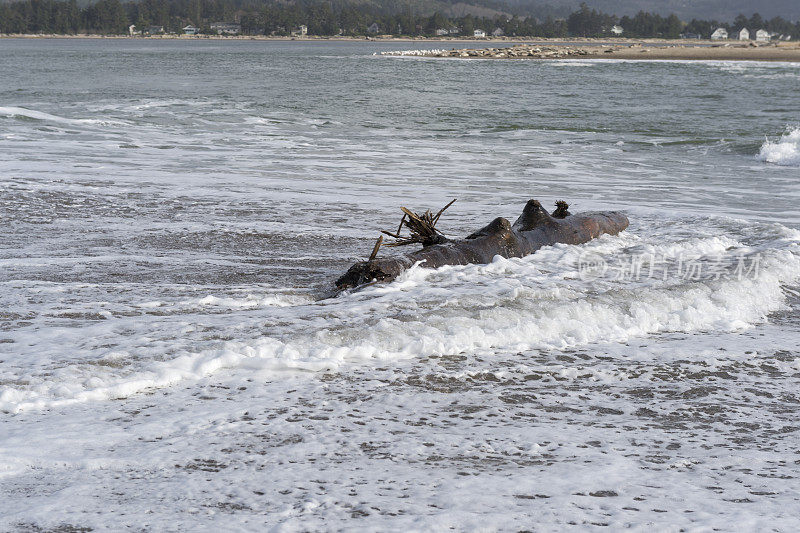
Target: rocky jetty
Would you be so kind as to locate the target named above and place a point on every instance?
(624, 50)
(518, 51)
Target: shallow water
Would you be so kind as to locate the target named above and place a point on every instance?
(175, 212)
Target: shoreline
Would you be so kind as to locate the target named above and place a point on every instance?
(783, 52)
(555, 48)
(762, 53)
(377, 38)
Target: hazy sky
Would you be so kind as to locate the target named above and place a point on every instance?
(687, 9)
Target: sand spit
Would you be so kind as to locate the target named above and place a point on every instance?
(726, 52)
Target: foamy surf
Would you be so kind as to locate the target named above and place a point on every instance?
(784, 152)
(21, 112)
(535, 303)
(247, 301)
(161, 382)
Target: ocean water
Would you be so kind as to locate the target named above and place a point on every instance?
(173, 217)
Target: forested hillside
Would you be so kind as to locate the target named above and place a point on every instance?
(685, 9)
(356, 18)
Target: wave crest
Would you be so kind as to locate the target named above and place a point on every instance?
(784, 152)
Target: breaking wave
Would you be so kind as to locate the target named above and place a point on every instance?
(535, 303)
(21, 112)
(785, 151)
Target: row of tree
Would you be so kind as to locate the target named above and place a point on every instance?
(591, 23)
(756, 22)
(340, 17)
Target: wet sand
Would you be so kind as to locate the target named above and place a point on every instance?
(744, 52)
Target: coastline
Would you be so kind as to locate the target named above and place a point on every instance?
(590, 48)
(693, 53)
(377, 38)
(776, 52)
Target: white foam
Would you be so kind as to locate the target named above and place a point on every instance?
(784, 152)
(413, 53)
(577, 63)
(39, 115)
(532, 303)
(247, 301)
(250, 301)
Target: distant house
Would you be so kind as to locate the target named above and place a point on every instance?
(302, 30)
(617, 30)
(719, 34)
(227, 28)
(131, 30)
(743, 35)
(190, 30)
(373, 28)
(479, 33)
(763, 36)
(498, 32)
(441, 31)
(155, 30)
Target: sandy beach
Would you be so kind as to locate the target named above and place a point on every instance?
(784, 52)
(728, 52)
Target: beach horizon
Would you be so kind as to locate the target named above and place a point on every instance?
(595, 48)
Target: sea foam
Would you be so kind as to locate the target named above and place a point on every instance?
(533, 303)
(785, 151)
(32, 114)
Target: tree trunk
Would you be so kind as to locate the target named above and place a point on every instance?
(533, 229)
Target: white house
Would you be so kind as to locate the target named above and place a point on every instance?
(743, 35)
(190, 30)
(763, 36)
(479, 33)
(719, 34)
(301, 31)
(373, 28)
(498, 32)
(617, 30)
(441, 32)
(131, 30)
(228, 28)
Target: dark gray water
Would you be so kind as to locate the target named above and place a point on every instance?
(172, 213)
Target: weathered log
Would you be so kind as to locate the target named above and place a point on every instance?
(533, 229)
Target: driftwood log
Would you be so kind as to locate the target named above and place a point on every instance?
(534, 228)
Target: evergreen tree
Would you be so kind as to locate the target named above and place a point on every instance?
(331, 17)
(740, 22)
